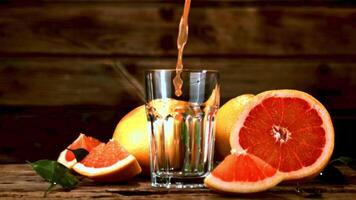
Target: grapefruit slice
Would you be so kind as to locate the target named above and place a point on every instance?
(246, 174)
(108, 163)
(67, 157)
(286, 130)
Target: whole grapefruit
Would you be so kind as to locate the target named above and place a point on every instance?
(132, 133)
(226, 117)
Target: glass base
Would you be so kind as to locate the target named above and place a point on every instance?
(177, 182)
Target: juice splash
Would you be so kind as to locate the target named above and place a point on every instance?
(181, 41)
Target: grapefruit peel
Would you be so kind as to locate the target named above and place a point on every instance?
(129, 167)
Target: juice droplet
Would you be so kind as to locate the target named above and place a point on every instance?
(178, 82)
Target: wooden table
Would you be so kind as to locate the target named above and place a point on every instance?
(20, 181)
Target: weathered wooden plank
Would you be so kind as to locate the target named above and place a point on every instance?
(17, 185)
(51, 81)
(122, 29)
(196, 2)
(75, 81)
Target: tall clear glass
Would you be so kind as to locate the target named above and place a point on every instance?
(181, 128)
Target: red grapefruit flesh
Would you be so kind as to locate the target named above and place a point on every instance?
(286, 130)
(108, 163)
(246, 174)
(67, 157)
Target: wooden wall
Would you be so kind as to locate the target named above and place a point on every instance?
(63, 64)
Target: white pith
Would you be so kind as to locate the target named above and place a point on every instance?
(281, 134)
(62, 159)
(62, 156)
(93, 172)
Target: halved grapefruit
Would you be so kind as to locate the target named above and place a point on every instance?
(67, 158)
(108, 162)
(281, 135)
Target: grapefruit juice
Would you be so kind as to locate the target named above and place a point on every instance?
(181, 144)
(181, 128)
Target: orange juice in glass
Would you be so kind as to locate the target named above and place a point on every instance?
(181, 128)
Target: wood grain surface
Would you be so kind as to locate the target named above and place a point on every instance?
(134, 29)
(20, 181)
(102, 81)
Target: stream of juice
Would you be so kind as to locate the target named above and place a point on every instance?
(181, 41)
(182, 132)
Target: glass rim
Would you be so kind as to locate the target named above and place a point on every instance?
(183, 70)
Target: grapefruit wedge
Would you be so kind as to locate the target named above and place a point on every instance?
(243, 173)
(67, 158)
(108, 162)
(280, 135)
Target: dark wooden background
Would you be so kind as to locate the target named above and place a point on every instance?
(64, 64)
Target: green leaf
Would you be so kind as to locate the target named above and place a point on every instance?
(348, 161)
(55, 173)
(342, 159)
(79, 154)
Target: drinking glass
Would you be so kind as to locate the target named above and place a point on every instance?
(181, 128)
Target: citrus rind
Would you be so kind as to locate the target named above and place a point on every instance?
(120, 171)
